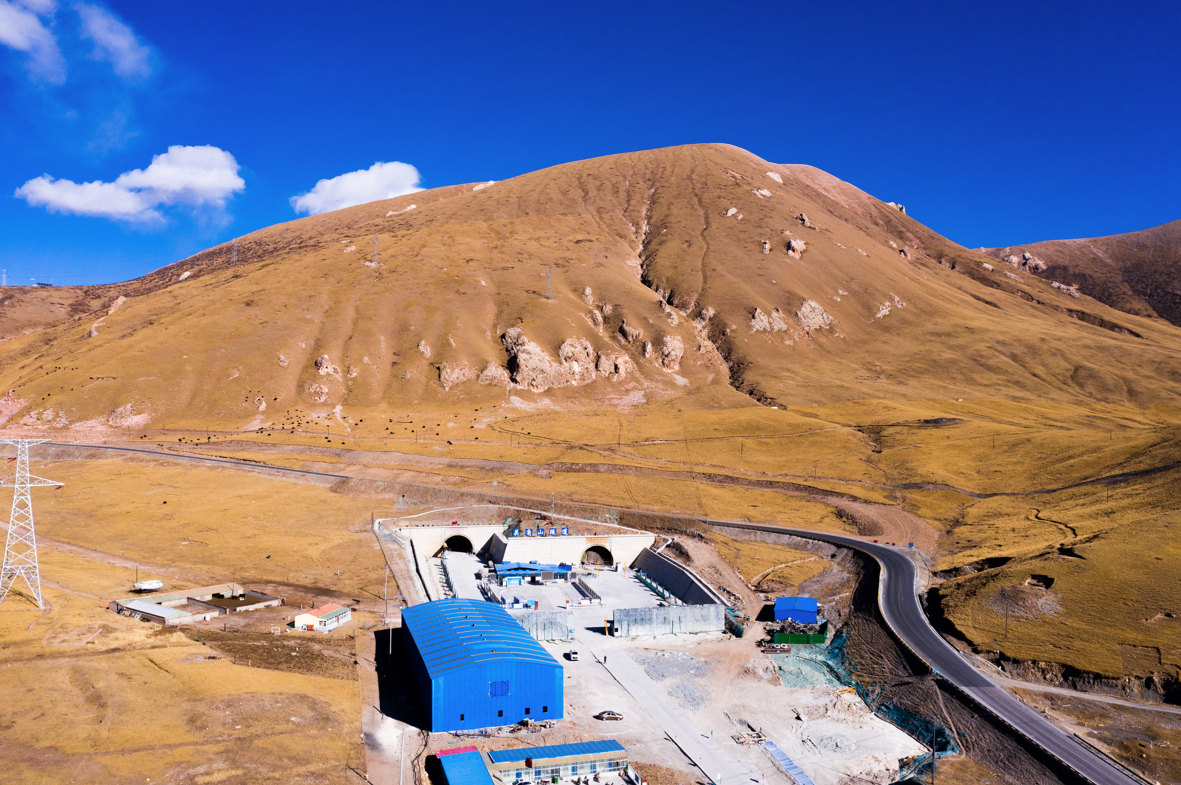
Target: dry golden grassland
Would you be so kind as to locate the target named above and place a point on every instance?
(116, 700)
(984, 480)
(766, 566)
(1148, 742)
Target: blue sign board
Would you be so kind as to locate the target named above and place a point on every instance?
(553, 532)
(565, 530)
(540, 531)
(516, 532)
(528, 532)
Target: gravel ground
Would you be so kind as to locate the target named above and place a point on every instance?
(661, 665)
(687, 695)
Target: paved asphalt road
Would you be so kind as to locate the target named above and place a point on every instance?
(901, 610)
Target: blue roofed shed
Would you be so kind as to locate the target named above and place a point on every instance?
(798, 609)
(472, 665)
(465, 768)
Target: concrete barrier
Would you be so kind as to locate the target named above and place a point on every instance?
(677, 578)
(631, 622)
(546, 625)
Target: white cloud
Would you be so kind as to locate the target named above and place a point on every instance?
(114, 42)
(23, 29)
(380, 181)
(193, 176)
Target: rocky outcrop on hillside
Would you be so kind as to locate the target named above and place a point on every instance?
(763, 322)
(671, 352)
(1026, 261)
(451, 374)
(812, 317)
(496, 375)
(531, 368)
(616, 366)
(10, 404)
(629, 333)
(325, 367)
(1071, 290)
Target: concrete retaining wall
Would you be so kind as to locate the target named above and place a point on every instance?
(631, 622)
(677, 578)
(624, 548)
(546, 625)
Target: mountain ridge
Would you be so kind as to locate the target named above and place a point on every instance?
(699, 272)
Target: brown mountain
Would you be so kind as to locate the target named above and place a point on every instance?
(699, 272)
(1137, 272)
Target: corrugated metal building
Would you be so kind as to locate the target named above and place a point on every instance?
(798, 609)
(559, 760)
(473, 666)
(465, 766)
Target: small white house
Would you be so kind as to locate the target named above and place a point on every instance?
(323, 619)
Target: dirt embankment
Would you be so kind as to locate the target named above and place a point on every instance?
(898, 679)
(324, 655)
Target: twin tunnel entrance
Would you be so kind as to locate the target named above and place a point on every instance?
(596, 555)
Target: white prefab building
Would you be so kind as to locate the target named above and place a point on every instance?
(323, 619)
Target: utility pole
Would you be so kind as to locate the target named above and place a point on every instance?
(375, 249)
(549, 284)
(20, 551)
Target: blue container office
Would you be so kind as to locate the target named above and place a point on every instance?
(473, 666)
(798, 609)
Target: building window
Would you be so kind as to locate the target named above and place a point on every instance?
(526, 709)
(461, 718)
(497, 689)
(573, 769)
(500, 713)
(545, 709)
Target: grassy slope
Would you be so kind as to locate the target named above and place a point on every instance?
(1135, 272)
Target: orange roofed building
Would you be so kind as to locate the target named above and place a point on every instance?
(322, 619)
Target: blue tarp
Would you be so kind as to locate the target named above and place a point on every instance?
(798, 609)
(785, 763)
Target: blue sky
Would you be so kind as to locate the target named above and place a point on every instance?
(194, 123)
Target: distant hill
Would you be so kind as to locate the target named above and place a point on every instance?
(701, 274)
(1138, 272)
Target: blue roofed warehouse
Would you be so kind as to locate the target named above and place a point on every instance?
(798, 609)
(473, 666)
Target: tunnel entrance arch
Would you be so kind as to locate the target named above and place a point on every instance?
(457, 543)
(598, 555)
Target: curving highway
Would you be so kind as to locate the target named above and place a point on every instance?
(899, 603)
(898, 599)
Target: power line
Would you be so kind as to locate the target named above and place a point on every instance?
(20, 551)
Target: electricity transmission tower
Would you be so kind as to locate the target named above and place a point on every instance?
(375, 249)
(549, 284)
(20, 552)
(234, 252)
